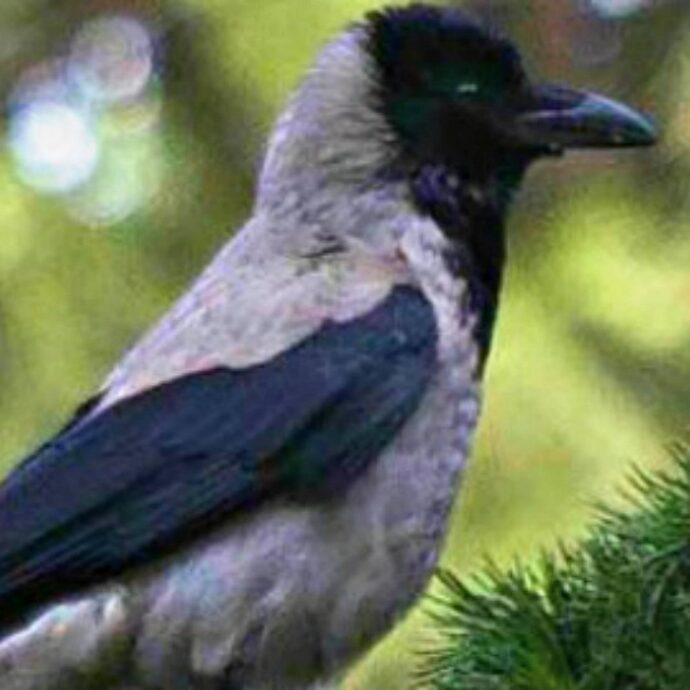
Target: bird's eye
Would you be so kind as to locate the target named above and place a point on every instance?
(467, 88)
(480, 79)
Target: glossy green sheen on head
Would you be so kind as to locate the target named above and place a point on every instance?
(436, 63)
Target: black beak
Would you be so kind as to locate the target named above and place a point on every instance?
(561, 118)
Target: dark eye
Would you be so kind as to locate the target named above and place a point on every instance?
(467, 88)
(468, 81)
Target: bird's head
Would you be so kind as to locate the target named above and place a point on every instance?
(456, 95)
(428, 88)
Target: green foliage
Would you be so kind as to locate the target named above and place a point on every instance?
(610, 614)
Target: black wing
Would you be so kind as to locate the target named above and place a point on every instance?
(132, 482)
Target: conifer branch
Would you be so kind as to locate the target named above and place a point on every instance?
(612, 613)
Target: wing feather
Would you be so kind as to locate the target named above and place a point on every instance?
(132, 482)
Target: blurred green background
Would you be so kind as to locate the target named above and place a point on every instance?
(132, 132)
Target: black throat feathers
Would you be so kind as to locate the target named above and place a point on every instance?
(473, 219)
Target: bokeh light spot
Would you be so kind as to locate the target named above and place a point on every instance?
(85, 125)
(112, 59)
(54, 146)
(618, 8)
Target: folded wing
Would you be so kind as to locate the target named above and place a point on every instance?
(128, 484)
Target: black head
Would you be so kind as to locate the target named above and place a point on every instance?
(456, 94)
(469, 121)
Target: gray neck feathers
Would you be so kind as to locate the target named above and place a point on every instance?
(331, 136)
